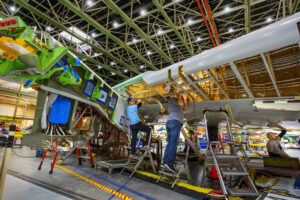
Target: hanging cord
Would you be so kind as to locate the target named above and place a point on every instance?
(13, 150)
(231, 115)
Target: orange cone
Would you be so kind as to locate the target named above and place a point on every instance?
(213, 172)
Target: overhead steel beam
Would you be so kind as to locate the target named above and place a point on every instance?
(247, 16)
(118, 10)
(240, 78)
(295, 7)
(58, 25)
(14, 93)
(271, 73)
(215, 15)
(106, 32)
(172, 26)
(283, 8)
(2, 14)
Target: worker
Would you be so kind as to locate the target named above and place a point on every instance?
(177, 104)
(135, 123)
(273, 146)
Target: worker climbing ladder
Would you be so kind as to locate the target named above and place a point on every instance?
(227, 165)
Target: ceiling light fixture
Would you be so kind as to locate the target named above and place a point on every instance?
(172, 46)
(12, 8)
(93, 34)
(115, 24)
(112, 63)
(143, 12)
(99, 67)
(160, 32)
(269, 19)
(190, 21)
(49, 28)
(125, 70)
(230, 30)
(142, 66)
(227, 9)
(149, 53)
(113, 73)
(89, 3)
(134, 40)
(198, 39)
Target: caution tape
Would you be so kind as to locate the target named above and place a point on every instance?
(122, 196)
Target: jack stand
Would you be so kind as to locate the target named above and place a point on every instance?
(7, 142)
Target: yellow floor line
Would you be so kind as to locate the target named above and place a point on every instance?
(179, 183)
(122, 196)
(154, 176)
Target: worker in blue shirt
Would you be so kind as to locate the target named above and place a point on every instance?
(135, 123)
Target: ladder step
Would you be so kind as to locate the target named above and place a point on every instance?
(84, 157)
(228, 172)
(130, 166)
(169, 174)
(134, 157)
(226, 156)
(242, 192)
(219, 142)
(82, 148)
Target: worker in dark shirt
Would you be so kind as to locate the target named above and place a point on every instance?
(177, 104)
(135, 123)
(273, 146)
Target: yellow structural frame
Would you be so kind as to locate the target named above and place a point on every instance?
(12, 48)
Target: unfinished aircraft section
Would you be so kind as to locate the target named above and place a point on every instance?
(155, 100)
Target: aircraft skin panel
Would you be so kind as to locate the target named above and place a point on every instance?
(222, 80)
(120, 117)
(274, 36)
(242, 110)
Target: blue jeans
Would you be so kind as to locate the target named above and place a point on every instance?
(173, 129)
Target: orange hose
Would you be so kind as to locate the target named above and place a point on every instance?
(212, 22)
(205, 21)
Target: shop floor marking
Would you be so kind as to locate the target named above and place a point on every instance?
(179, 183)
(96, 184)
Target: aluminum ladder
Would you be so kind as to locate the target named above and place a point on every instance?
(134, 162)
(227, 165)
(176, 176)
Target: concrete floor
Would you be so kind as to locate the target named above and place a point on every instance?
(27, 190)
(23, 174)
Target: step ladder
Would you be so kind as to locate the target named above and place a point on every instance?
(58, 154)
(176, 176)
(85, 146)
(134, 162)
(228, 165)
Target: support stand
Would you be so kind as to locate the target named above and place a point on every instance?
(7, 142)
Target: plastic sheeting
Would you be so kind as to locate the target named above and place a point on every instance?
(50, 100)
